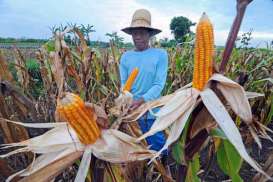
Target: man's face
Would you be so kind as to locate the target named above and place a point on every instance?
(141, 39)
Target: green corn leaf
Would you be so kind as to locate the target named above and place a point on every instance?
(236, 178)
(270, 114)
(193, 168)
(217, 132)
(178, 147)
(50, 46)
(229, 160)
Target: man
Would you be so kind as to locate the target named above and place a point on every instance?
(152, 64)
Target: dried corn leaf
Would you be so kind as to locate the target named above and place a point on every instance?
(238, 100)
(169, 116)
(5, 168)
(102, 118)
(4, 71)
(45, 160)
(176, 101)
(176, 129)
(117, 147)
(235, 96)
(57, 139)
(23, 76)
(221, 116)
(86, 51)
(57, 70)
(84, 166)
(21, 102)
(203, 120)
(268, 167)
(51, 171)
(6, 131)
(140, 111)
(113, 146)
(122, 104)
(251, 95)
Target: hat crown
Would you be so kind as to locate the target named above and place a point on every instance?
(141, 17)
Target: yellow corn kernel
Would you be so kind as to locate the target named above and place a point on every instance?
(203, 53)
(71, 108)
(129, 83)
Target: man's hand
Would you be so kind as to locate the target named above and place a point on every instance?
(136, 103)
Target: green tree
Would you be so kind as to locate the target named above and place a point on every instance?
(86, 30)
(117, 40)
(180, 26)
(167, 43)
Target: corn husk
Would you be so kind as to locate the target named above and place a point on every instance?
(176, 111)
(122, 104)
(113, 146)
(221, 116)
(235, 96)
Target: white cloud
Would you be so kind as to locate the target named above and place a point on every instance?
(106, 17)
(263, 35)
(257, 37)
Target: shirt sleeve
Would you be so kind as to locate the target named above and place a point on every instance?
(160, 79)
(123, 71)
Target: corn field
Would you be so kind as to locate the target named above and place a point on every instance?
(35, 90)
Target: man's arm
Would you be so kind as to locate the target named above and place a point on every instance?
(123, 71)
(160, 79)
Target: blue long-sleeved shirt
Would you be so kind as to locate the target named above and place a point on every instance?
(152, 64)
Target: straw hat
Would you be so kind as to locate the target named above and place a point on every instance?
(141, 19)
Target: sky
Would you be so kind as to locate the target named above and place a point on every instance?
(32, 18)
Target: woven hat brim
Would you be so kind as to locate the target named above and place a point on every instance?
(153, 31)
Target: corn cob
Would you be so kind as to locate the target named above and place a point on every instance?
(129, 83)
(203, 53)
(71, 108)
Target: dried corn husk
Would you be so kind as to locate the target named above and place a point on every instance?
(113, 146)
